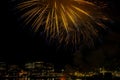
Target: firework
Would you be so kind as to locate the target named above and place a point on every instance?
(69, 21)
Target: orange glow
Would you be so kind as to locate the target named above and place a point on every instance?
(62, 78)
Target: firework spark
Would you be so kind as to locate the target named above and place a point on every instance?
(70, 21)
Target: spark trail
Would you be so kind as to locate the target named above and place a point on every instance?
(69, 21)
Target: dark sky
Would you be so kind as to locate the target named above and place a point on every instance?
(20, 44)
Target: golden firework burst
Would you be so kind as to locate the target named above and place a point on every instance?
(66, 20)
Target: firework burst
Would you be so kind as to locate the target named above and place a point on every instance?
(69, 21)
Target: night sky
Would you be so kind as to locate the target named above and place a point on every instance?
(20, 44)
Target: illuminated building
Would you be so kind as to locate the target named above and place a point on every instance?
(3, 67)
